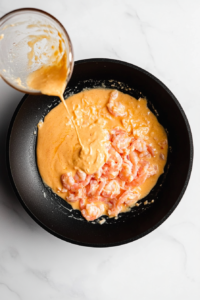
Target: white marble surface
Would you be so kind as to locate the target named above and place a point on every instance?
(162, 37)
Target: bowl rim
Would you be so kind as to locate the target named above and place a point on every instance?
(22, 10)
(103, 245)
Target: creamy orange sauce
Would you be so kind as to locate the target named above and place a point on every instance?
(49, 79)
(59, 149)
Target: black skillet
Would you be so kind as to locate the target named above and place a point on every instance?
(52, 212)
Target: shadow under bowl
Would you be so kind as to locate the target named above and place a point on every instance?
(53, 213)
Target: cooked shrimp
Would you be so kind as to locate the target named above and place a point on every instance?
(80, 176)
(144, 172)
(91, 212)
(151, 150)
(73, 197)
(140, 145)
(95, 187)
(126, 171)
(114, 184)
(79, 181)
(132, 146)
(145, 154)
(82, 203)
(152, 170)
(114, 208)
(141, 175)
(98, 174)
(120, 140)
(98, 199)
(121, 183)
(111, 189)
(113, 165)
(115, 107)
(134, 159)
(129, 197)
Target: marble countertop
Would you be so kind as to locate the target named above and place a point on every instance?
(162, 37)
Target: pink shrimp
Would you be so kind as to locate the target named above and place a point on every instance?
(127, 198)
(151, 150)
(134, 160)
(120, 140)
(126, 173)
(113, 165)
(121, 183)
(79, 194)
(90, 211)
(82, 203)
(114, 209)
(79, 181)
(116, 108)
(111, 189)
(132, 146)
(140, 177)
(98, 174)
(80, 176)
(98, 199)
(95, 187)
(145, 154)
(142, 173)
(140, 145)
(152, 170)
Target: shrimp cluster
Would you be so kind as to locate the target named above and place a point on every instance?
(115, 185)
(116, 108)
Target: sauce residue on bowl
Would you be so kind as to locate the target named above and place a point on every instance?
(49, 79)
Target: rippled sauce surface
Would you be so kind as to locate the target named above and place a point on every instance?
(58, 148)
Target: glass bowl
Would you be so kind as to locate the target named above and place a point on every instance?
(17, 29)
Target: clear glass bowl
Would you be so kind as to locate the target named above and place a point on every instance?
(16, 29)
